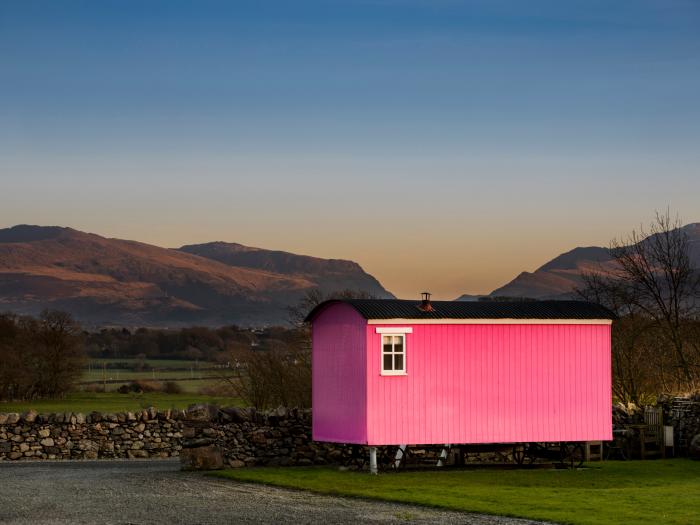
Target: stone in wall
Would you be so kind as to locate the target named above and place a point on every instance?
(208, 457)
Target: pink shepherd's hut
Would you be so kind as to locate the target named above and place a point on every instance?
(397, 372)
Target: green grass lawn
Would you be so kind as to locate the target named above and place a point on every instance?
(613, 492)
(114, 402)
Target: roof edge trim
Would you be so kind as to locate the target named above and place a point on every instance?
(488, 321)
(397, 311)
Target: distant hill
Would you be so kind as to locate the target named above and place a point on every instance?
(118, 282)
(327, 274)
(559, 277)
(468, 297)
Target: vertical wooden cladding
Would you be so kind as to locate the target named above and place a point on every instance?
(339, 376)
(492, 383)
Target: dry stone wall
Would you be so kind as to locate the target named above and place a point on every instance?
(206, 436)
(143, 434)
(201, 434)
(240, 437)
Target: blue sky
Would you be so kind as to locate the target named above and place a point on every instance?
(442, 144)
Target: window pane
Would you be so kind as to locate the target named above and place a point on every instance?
(398, 343)
(387, 362)
(398, 362)
(386, 341)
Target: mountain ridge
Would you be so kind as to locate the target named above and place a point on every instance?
(558, 278)
(123, 282)
(326, 273)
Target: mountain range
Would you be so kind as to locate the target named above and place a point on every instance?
(118, 282)
(558, 278)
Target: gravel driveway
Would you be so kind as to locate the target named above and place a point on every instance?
(140, 492)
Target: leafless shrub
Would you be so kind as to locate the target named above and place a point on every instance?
(272, 377)
(140, 386)
(171, 387)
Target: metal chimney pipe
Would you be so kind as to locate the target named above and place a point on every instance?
(425, 304)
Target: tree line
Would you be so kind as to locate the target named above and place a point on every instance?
(193, 343)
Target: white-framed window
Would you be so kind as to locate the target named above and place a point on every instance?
(393, 350)
(393, 354)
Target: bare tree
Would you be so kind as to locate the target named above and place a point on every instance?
(59, 341)
(653, 286)
(657, 278)
(12, 371)
(39, 357)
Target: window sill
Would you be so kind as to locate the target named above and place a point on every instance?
(393, 374)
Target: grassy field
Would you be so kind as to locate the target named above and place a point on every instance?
(162, 370)
(614, 492)
(113, 402)
(121, 374)
(187, 386)
(191, 376)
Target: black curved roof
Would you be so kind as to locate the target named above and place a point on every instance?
(403, 309)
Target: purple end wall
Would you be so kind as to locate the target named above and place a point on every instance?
(339, 370)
